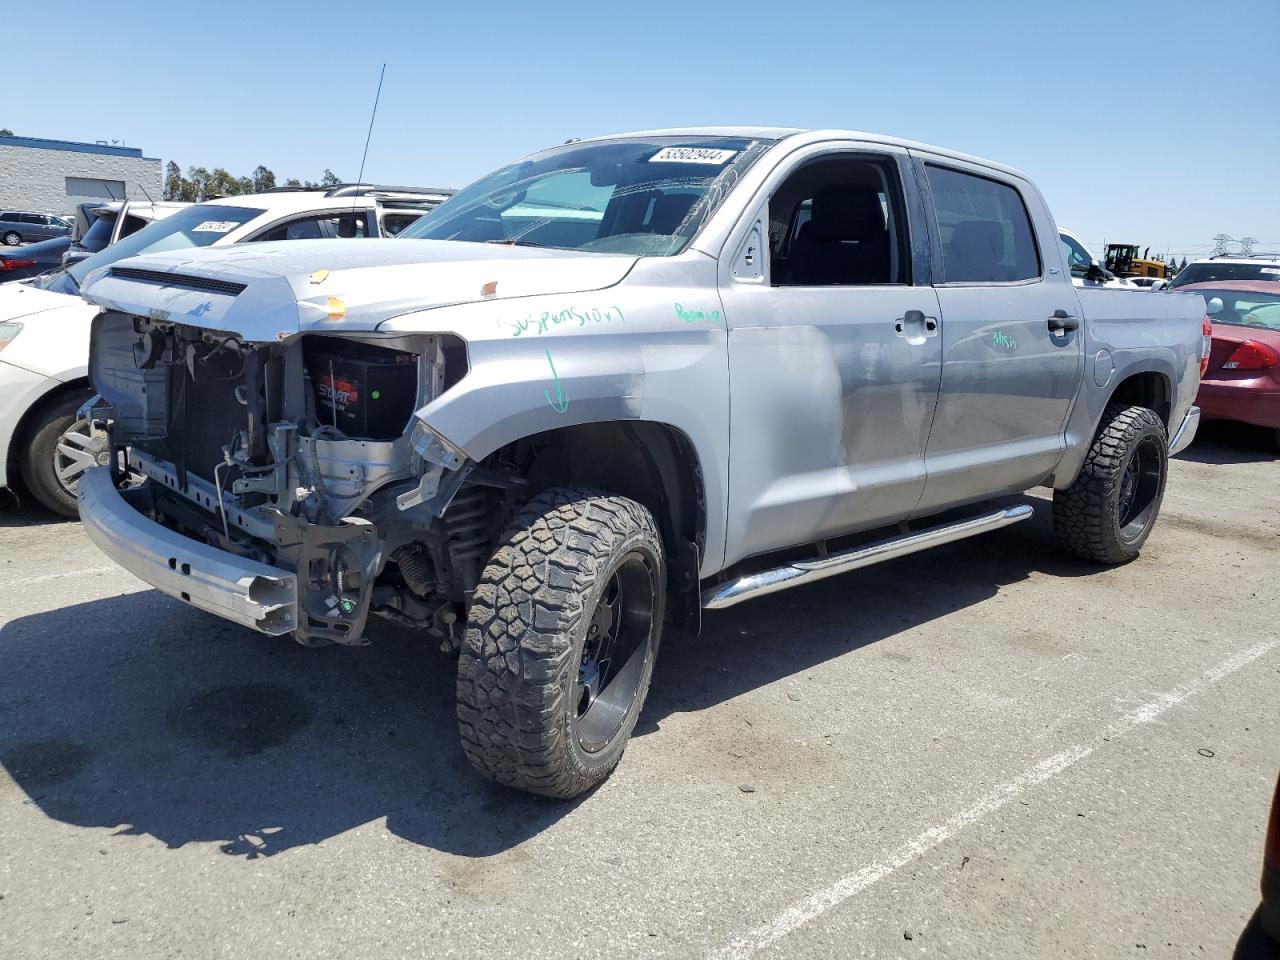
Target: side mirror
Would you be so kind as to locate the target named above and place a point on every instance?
(1213, 306)
(1096, 273)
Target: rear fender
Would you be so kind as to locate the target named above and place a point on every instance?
(1129, 333)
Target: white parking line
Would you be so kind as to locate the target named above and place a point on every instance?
(62, 575)
(816, 904)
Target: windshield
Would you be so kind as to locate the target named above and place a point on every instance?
(1220, 270)
(643, 196)
(197, 226)
(1242, 308)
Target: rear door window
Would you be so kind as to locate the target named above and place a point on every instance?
(325, 226)
(131, 225)
(394, 222)
(983, 227)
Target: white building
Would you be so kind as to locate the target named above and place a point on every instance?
(52, 176)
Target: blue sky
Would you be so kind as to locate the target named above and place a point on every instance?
(1158, 133)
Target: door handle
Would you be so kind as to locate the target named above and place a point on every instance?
(915, 319)
(1063, 322)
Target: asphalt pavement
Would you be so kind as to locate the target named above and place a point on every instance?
(986, 750)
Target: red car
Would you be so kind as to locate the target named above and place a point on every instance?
(1243, 379)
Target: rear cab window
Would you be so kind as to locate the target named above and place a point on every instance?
(984, 229)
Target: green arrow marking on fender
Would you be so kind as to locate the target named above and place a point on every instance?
(561, 403)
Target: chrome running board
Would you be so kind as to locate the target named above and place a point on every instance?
(794, 574)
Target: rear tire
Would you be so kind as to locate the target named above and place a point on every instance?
(1107, 514)
(12, 238)
(561, 639)
(48, 454)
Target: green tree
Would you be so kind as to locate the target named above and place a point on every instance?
(5, 132)
(200, 179)
(263, 179)
(222, 184)
(174, 182)
(202, 184)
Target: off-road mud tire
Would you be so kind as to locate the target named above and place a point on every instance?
(1087, 515)
(525, 636)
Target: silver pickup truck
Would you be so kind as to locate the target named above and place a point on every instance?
(612, 385)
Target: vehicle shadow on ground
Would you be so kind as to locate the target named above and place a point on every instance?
(19, 509)
(138, 714)
(1225, 442)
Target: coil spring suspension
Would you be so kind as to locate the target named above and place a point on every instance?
(467, 525)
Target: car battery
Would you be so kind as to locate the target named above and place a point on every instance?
(367, 392)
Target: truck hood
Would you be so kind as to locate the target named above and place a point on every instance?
(268, 291)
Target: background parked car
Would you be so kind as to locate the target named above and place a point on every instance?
(1256, 267)
(1086, 269)
(17, 227)
(1243, 379)
(1148, 283)
(33, 259)
(106, 223)
(44, 325)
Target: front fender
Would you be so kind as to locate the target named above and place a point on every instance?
(523, 386)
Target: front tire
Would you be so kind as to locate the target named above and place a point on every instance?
(1107, 514)
(61, 448)
(561, 638)
(12, 238)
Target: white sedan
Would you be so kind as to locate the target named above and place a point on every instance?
(44, 325)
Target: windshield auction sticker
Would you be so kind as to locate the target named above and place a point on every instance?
(215, 226)
(703, 155)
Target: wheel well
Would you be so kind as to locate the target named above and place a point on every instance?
(22, 432)
(1150, 390)
(651, 463)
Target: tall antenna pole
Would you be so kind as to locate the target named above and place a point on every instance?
(369, 136)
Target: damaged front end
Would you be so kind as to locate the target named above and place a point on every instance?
(287, 485)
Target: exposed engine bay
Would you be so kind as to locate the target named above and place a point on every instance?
(305, 454)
